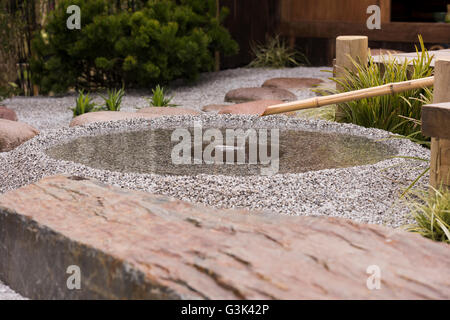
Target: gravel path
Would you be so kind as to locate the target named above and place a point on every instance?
(7, 294)
(50, 112)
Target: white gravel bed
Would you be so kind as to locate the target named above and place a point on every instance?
(7, 294)
(53, 112)
(367, 193)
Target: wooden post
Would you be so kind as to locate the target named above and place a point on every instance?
(348, 48)
(436, 124)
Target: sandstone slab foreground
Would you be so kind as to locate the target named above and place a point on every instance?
(131, 244)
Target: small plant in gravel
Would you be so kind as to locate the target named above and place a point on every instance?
(84, 104)
(113, 99)
(159, 99)
(276, 54)
(431, 210)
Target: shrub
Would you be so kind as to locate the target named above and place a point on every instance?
(276, 54)
(162, 41)
(389, 112)
(9, 90)
(84, 104)
(431, 212)
(113, 99)
(159, 99)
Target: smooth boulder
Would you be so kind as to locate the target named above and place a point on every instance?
(103, 116)
(214, 107)
(292, 83)
(8, 114)
(252, 94)
(14, 133)
(253, 107)
(167, 111)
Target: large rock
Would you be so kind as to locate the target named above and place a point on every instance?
(167, 111)
(292, 83)
(8, 114)
(214, 107)
(102, 116)
(13, 134)
(252, 94)
(130, 244)
(253, 107)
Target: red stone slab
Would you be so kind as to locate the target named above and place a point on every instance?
(135, 245)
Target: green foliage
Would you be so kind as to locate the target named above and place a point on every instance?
(276, 54)
(432, 214)
(159, 99)
(160, 41)
(114, 99)
(84, 104)
(8, 91)
(389, 112)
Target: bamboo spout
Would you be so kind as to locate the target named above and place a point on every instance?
(390, 88)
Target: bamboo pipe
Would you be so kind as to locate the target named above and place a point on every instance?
(390, 88)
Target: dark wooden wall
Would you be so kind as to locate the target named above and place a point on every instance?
(249, 21)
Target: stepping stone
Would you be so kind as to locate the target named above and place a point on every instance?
(214, 107)
(8, 114)
(136, 245)
(102, 116)
(14, 133)
(167, 111)
(292, 83)
(252, 94)
(253, 107)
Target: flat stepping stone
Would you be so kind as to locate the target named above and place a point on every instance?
(8, 114)
(103, 116)
(253, 107)
(292, 83)
(214, 107)
(167, 111)
(136, 245)
(14, 133)
(251, 94)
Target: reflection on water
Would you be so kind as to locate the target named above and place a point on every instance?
(150, 152)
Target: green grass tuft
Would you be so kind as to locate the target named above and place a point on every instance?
(276, 54)
(431, 210)
(159, 99)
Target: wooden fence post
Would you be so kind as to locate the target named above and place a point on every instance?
(436, 124)
(348, 48)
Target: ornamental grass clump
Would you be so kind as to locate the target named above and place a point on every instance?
(276, 54)
(159, 98)
(113, 100)
(389, 112)
(431, 211)
(84, 104)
